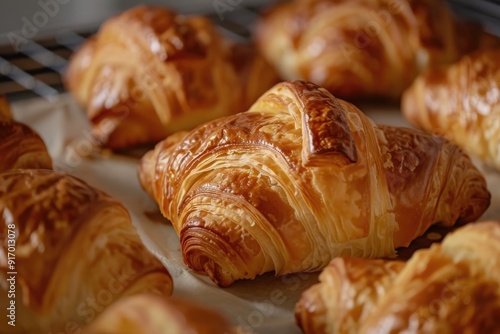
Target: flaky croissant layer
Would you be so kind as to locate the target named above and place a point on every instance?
(450, 288)
(301, 178)
(76, 252)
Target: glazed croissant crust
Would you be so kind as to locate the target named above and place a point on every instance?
(148, 314)
(150, 72)
(303, 177)
(450, 288)
(364, 48)
(462, 103)
(76, 252)
(20, 146)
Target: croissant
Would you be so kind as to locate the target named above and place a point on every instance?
(75, 252)
(303, 177)
(462, 103)
(147, 314)
(150, 72)
(450, 288)
(20, 146)
(364, 48)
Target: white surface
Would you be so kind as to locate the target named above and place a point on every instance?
(264, 305)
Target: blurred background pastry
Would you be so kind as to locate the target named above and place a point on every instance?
(150, 72)
(462, 103)
(359, 49)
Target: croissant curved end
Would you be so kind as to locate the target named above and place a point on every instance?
(478, 201)
(471, 197)
(207, 252)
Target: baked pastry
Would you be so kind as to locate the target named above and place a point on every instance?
(76, 252)
(150, 72)
(301, 178)
(450, 288)
(147, 314)
(20, 146)
(462, 103)
(364, 48)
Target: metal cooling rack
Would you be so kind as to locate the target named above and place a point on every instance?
(37, 70)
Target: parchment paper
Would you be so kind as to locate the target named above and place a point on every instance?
(264, 305)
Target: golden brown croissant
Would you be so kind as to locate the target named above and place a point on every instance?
(363, 48)
(301, 178)
(20, 146)
(462, 103)
(75, 252)
(147, 314)
(450, 288)
(150, 72)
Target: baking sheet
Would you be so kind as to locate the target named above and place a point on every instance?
(264, 305)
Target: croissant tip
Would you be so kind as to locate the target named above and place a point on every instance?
(202, 261)
(476, 206)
